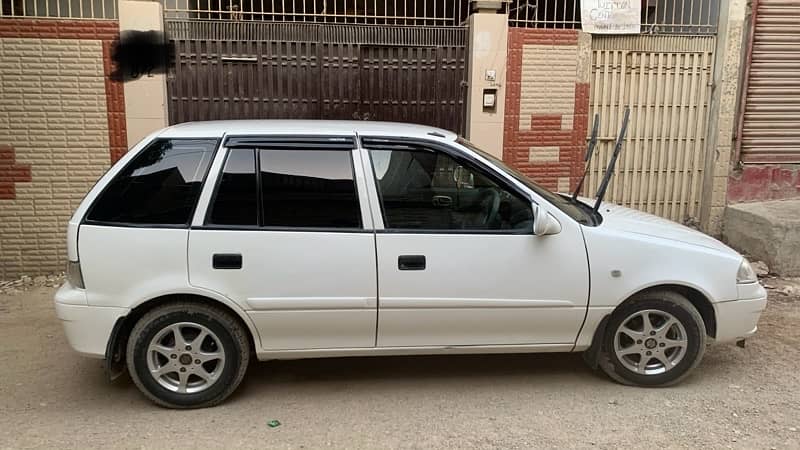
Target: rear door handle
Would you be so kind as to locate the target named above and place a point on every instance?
(226, 261)
(411, 262)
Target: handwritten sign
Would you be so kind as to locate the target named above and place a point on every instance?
(611, 16)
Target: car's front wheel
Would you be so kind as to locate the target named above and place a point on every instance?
(655, 339)
(187, 355)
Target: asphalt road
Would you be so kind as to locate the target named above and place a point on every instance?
(737, 398)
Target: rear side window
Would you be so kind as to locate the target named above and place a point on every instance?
(159, 187)
(283, 188)
(308, 188)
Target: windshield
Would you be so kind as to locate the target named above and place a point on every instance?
(578, 211)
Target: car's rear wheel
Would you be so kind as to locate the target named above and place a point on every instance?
(187, 355)
(655, 339)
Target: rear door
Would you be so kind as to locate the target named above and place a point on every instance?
(287, 236)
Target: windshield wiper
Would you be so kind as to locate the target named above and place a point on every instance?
(601, 191)
(588, 156)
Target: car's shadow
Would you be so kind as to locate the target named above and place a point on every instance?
(294, 380)
(501, 367)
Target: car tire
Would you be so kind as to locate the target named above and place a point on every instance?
(671, 346)
(181, 372)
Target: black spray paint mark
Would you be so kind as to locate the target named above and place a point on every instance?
(141, 53)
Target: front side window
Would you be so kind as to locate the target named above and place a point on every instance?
(160, 186)
(429, 190)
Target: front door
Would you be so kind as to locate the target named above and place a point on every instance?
(285, 237)
(457, 261)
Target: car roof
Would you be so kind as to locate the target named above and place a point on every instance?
(218, 128)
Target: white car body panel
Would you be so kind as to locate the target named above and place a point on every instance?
(482, 289)
(128, 262)
(296, 286)
(315, 294)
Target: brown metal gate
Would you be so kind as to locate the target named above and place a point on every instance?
(260, 70)
(770, 127)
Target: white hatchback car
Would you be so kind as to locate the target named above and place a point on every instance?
(210, 243)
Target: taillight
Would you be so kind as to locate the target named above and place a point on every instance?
(74, 275)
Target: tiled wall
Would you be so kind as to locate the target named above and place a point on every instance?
(62, 123)
(547, 104)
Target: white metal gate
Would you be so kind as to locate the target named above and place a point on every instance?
(665, 80)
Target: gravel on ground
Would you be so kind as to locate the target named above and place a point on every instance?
(748, 397)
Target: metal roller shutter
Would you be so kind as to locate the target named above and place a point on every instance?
(771, 123)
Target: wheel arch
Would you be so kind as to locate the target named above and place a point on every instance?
(115, 349)
(698, 299)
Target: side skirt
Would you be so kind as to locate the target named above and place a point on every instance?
(406, 351)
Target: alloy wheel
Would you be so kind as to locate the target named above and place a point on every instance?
(650, 342)
(185, 357)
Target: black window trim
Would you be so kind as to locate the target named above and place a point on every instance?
(184, 226)
(292, 142)
(398, 143)
(283, 142)
(218, 182)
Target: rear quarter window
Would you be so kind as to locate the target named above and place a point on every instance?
(160, 186)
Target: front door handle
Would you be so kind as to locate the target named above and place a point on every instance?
(226, 261)
(411, 262)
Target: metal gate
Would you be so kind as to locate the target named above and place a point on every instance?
(263, 70)
(770, 128)
(665, 80)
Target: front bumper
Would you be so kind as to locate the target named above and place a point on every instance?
(88, 328)
(738, 319)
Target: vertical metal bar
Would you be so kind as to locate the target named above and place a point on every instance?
(612, 98)
(624, 185)
(601, 89)
(665, 81)
(546, 12)
(691, 138)
(637, 177)
(619, 107)
(674, 116)
(699, 145)
(679, 136)
(674, 7)
(575, 7)
(663, 143)
(754, 7)
(648, 136)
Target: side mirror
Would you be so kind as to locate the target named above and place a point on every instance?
(544, 223)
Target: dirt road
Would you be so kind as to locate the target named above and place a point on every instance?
(737, 398)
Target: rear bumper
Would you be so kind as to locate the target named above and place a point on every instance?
(88, 328)
(738, 319)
